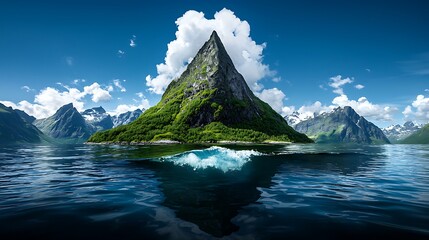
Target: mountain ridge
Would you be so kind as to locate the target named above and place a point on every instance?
(342, 125)
(15, 129)
(396, 133)
(420, 136)
(209, 102)
(98, 119)
(67, 124)
(126, 117)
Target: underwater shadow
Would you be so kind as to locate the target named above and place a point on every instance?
(210, 198)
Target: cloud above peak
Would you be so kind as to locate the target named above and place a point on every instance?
(49, 99)
(419, 109)
(193, 29)
(338, 82)
(367, 109)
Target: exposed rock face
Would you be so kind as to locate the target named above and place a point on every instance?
(341, 125)
(67, 123)
(126, 118)
(212, 69)
(210, 101)
(296, 117)
(398, 132)
(98, 118)
(14, 129)
(25, 116)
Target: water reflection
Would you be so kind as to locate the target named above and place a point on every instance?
(211, 198)
(115, 191)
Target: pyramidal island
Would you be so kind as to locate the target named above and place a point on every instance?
(210, 102)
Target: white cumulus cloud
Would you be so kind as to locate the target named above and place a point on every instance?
(193, 29)
(48, 100)
(338, 82)
(359, 86)
(316, 108)
(366, 109)
(274, 97)
(98, 94)
(118, 84)
(419, 109)
(142, 103)
(307, 111)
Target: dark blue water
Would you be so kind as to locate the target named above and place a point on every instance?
(234, 192)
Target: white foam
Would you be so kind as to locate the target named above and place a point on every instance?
(216, 157)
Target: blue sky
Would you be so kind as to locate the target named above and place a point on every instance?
(312, 55)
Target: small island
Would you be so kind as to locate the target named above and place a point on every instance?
(209, 103)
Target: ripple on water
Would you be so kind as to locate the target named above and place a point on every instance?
(260, 192)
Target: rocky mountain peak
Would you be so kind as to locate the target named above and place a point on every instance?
(399, 132)
(62, 110)
(95, 110)
(210, 101)
(66, 123)
(343, 124)
(213, 68)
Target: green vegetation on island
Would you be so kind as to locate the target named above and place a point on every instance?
(209, 102)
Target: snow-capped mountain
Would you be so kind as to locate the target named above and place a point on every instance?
(342, 125)
(98, 118)
(293, 119)
(67, 125)
(398, 132)
(126, 118)
(296, 117)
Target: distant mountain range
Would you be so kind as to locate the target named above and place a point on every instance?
(98, 119)
(397, 133)
(126, 118)
(67, 125)
(421, 136)
(15, 129)
(342, 125)
(295, 118)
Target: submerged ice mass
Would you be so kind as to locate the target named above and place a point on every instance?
(216, 157)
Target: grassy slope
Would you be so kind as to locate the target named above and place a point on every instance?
(200, 106)
(419, 137)
(169, 120)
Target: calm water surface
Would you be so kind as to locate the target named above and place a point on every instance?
(230, 192)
